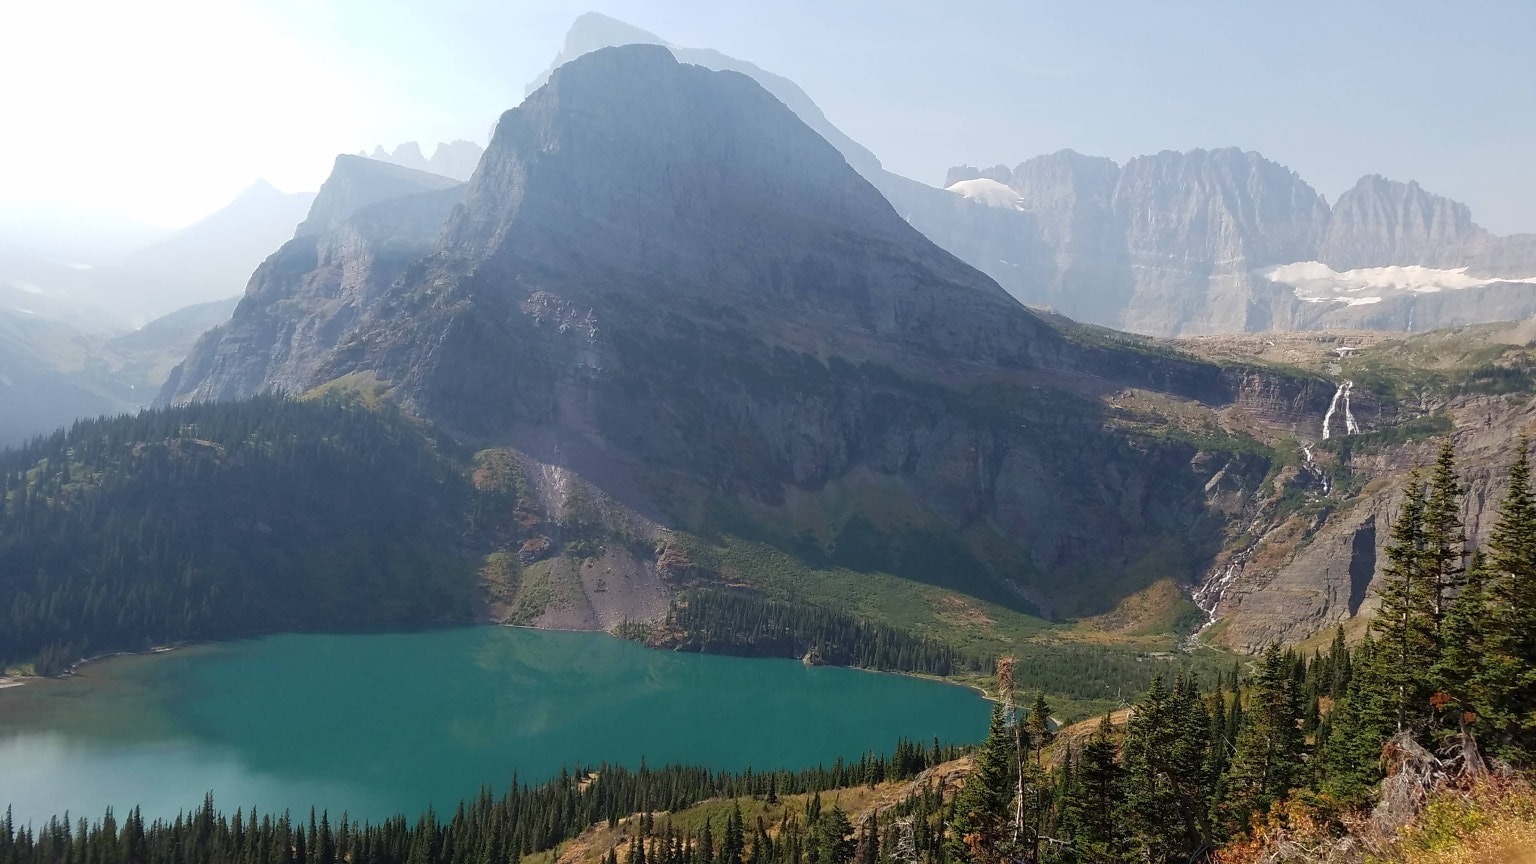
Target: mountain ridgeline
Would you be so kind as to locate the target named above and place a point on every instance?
(1229, 241)
(1171, 244)
(686, 319)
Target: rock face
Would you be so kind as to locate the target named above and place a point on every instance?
(1314, 571)
(368, 222)
(1197, 242)
(663, 283)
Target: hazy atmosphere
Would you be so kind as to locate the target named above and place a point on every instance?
(520, 432)
(163, 110)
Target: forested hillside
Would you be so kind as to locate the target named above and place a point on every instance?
(223, 520)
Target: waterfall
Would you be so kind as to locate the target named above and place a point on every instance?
(1350, 426)
(1332, 406)
(1321, 475)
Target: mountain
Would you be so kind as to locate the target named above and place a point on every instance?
(370, 220)
(1226, 241)
(592, 31)
(1179, 243)
(454, 159)
(53, 372)
(696, 338)
(211, 259)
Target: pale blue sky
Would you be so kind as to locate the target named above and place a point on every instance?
(1439, 92)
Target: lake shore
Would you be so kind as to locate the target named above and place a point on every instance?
(7, 681)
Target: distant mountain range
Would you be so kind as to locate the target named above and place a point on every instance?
(53, 372)
(1228, 241)
(207, 261)
(1184, 243)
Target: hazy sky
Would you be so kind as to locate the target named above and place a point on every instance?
(164, 109)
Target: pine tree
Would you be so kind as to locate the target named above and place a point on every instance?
(1445, 540)
(1359, 726)
(1268, 762)
(1094, 808)
(1164, 765)
(1460, 673)
(1509, 664)
(981, 809)
(1404, 625)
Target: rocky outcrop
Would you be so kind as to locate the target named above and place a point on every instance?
(1313, 571)
(455, 160)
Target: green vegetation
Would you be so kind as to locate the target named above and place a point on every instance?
(489, 830)
(223, 520)
(1083, 677)
(1296, 746)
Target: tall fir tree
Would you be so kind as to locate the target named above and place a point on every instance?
(1509, 664)
(1404, 626)
(1268, 763)
(982, 810)
(1095, 814)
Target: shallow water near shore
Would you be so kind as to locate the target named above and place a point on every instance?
(378, 724)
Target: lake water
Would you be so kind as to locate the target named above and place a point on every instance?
(378, 724)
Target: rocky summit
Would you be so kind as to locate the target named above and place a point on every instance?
(680, 314)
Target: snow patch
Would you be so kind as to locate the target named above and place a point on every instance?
(988, 192)
(1315, 282)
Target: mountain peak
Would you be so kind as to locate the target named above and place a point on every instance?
(358, 181)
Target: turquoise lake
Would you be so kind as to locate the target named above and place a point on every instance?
(379, 724)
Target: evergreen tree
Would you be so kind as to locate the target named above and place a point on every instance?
(982, 808)
(1164, 765)
(1509, 665)
(1445, 541)
(1360, 725)
(1404, 625)
(1094, 814)
(1460, 673)
(1268, 762)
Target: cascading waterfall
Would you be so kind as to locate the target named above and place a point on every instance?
(1350, 426)
(1316, 471)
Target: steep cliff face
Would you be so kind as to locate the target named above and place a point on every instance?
(1229, 242)
(1380, 222)
(1197, 224)
(661, 282)
(369, 221)
(1304, 555)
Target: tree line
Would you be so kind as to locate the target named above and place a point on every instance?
(486, 829)
(227, 519)
(739, 623)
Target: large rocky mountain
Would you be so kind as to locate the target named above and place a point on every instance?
(1217, 241)
(1227, 241)
(688, 324)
